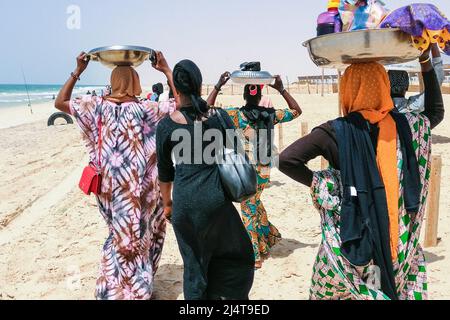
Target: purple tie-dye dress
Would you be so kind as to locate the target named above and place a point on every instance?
(130, 200)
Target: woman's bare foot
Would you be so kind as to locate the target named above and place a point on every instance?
(258, 264)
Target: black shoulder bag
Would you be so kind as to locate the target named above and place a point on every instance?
(238, 175)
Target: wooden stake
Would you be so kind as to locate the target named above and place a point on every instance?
(309, 89)
(431, 228)
(339, 93)
(280, 138)
(421, 84)
(305, 130)
(323, 82)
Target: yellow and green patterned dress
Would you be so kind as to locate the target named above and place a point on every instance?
(333, 276)
(262, 233)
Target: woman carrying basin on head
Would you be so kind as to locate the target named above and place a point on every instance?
(372, 200)
(259, 121)
(119, 131)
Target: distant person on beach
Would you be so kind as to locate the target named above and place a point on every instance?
(216, 250)
(94, 94)
(372, 199)
(107, 91)
(130, 195)
(166, 95)
(158, 90)
(400, 85)
(259, 121)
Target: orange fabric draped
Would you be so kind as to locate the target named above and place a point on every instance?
(125, 82)
(365, 88)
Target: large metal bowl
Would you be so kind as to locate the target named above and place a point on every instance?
(114, 56)
(252, 77)
(338, 50)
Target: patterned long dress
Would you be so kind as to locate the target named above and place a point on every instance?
(130, 201)
(263, 234)
(333, 276)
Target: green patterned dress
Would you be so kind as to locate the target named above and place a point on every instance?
(263, 234)
(333, 276)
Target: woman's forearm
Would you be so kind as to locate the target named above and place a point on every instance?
(62, 101)
(166, 193)
(292, 103)
(212, 97)
(434, 105)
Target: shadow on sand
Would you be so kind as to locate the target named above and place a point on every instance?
(287, 246)
(431, 257)
(437, 139)
(274, 183)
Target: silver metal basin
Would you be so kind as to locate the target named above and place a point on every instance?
(338, 50)
(252, 77)
(113, 56)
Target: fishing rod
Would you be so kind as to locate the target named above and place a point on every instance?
(26, 88)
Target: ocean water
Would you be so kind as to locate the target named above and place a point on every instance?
(16, 94)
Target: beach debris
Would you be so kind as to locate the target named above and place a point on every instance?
(59, 115)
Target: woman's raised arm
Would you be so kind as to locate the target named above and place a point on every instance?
(161, 65)
(62, 101)
(292, 103)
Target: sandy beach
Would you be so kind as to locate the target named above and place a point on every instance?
(51, 234)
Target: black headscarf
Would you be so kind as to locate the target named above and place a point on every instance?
(262, 119)
(399, 83)
(188, 80)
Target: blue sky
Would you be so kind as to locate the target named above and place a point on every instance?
(217, 34)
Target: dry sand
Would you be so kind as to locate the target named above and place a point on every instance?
(51, 235)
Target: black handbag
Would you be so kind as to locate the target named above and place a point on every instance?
(238, 175)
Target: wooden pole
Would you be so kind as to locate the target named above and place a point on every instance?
(339, 93)
(287, 81)
(232, 90)
(280, 138)
(421, 84)
(431, 228)
(309, 89)
(323, 82)
(305, 130)
(330, 87)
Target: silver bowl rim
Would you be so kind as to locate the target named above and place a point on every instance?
(252, 74)
(120, 48)
(306, 43)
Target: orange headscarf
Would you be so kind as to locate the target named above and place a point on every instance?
(365, 88)
(125, 82)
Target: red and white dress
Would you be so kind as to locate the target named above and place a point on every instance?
(130, 201)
